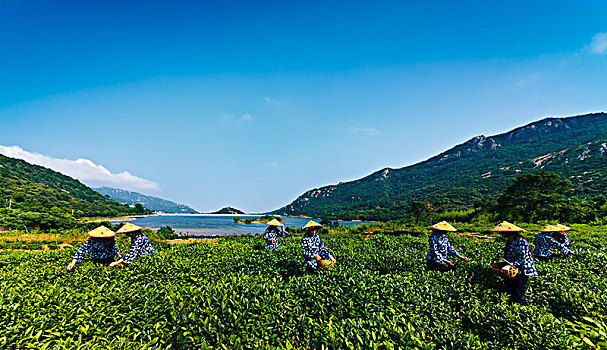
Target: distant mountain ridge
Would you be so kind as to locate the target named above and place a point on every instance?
(148, 202)
(38, 189)
(482, 167)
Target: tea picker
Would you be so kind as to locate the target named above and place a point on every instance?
(140, 244)
(313, 249)
(274, 230)
(545, 242)
(517, 265)
(561, 236)
(101, 247)
(439, 248)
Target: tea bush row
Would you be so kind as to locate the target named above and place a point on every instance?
(233, 294)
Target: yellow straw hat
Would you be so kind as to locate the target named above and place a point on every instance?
(274, 222)
(311, 224)
(102, 232)
(550, 228)
(129, 228)
(562, 227)
(444, 226)
(506, 227)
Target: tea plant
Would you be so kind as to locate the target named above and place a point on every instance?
(233, 294)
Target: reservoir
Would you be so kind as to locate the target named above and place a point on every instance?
(212, 225)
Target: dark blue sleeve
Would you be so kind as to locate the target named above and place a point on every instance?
(561, 247)
(136, 246)
(451, 250)
(81, 252)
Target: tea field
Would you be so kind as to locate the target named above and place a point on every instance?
(232, 294)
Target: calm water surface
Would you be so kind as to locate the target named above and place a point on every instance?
(211, 225)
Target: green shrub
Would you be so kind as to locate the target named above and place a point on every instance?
(234, 294)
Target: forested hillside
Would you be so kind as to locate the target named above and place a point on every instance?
(479, 169)
(37, 189)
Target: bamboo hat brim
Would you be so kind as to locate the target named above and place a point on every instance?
(102, 232)
(562, 227)
(129, 228)
(443, 226)
(311, 224)
(506, 227)
(274, 222)
(550, 228)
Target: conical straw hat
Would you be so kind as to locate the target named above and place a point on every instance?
(129, 228)
(311, 224)
(506, 227)
(550, 228)
(444, 226)
(274, 222)
(562, 227)
(102, 232)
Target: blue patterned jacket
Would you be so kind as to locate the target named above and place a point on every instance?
(518, 253)
(310, 245)
(140, 246)
(271, 236)
(98, 248)
(439, 247)
(544, 243)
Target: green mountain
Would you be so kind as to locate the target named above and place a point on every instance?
(37, 189)
(481, 168)
(149, 202)
(228, 210)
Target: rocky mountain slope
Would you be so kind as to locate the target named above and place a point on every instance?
(482, 167)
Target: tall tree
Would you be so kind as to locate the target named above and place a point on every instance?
(534, 197)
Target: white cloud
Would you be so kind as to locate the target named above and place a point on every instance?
(82, 169)
(272, 101)
(366, 131)
(231, 118)
(598, 45)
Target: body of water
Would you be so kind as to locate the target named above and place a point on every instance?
(211, 225)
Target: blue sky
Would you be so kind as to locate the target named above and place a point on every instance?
(249, 104)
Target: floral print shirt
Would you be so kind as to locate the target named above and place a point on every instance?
(518, 253)
(544, 243)
(438, 248)
(98, 248)
(310, 245)
(271, 237)
(140, 246)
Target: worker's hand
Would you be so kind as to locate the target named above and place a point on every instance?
(115, 263)
(272, 240)
(317, 257)
(71, 265)
(463, 258)
(120, 255)
(449, 263)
